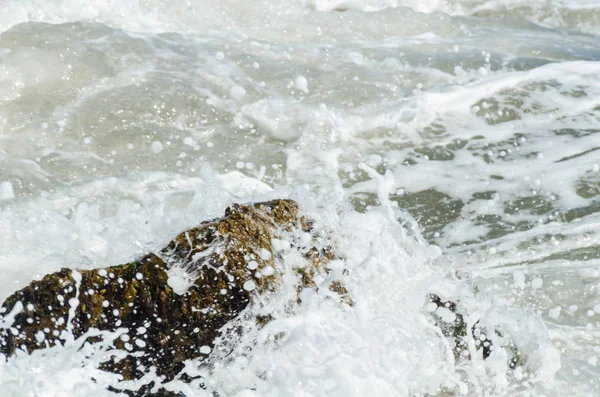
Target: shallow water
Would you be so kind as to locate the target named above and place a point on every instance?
(448, 146)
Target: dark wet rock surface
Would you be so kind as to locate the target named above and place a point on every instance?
(172, 304)
(447, 315)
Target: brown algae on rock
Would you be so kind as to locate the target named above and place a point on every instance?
(174, 303)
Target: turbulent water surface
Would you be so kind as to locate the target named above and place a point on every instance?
(448, 146)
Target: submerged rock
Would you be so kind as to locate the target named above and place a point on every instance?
(174, 303)
(451, 322)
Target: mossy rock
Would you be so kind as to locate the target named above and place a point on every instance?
(171, 318)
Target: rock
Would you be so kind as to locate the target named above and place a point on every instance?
(173, 303)
(453, 326)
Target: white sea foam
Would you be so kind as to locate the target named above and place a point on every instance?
(447, 146)
(329, 348)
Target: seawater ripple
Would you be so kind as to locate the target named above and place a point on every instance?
(449, 147)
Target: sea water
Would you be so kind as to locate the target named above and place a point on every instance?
(448, 147)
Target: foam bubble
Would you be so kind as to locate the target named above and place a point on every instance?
(249, 285)
(6, 191)
(157, 147)
(237, 92)
(301, 83)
